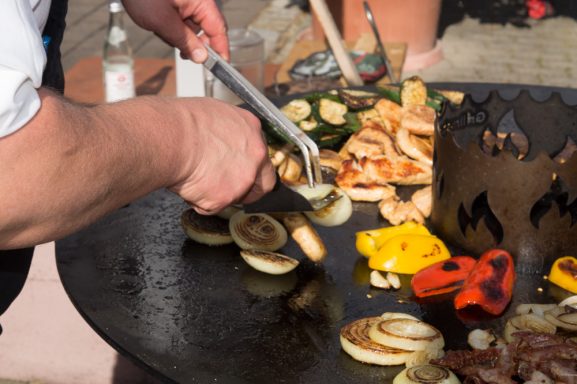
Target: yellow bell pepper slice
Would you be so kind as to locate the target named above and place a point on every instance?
(369, 242)
(564, 273)
(409, 254)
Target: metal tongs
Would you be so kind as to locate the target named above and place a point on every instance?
(380, 45)
(238, 84)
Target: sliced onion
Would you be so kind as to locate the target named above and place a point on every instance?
(397, 315)
(424, 357)
(257, 231)
(356, 342)
(570, 301)
(209, 230)
(537, 309)
(426, 374)
(412, 335)
(562, 318)
(336, 213)
(319, 191)
(269, 262)
(527, 322)
(228, 212)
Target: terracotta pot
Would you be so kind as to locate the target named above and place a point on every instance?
(414, 22)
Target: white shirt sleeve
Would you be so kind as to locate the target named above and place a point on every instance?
(22, 61)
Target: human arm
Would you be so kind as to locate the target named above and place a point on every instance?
(178, 21)
(72, 164)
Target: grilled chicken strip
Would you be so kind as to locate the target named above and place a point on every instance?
(358, 186)
(398, 212)
(401, 170)
(415, 147)
(418, 119)
(371, 141)
(423, 199)
(391, 113)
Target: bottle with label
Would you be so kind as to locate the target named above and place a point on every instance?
(118, 64)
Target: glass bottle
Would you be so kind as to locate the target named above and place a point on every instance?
(117, 61)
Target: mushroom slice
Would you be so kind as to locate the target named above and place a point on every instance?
(257, 231)
(269, 262)
(305, 235)
(330, 159)
(209, 230)
(356, 342)
(290, 170)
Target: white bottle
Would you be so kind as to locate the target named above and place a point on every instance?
(117, 61)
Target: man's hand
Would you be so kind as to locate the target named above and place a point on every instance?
(228, 158)
(178, 21)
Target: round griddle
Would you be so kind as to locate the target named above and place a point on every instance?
(190, 313)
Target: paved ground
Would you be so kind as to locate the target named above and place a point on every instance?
(546, 53)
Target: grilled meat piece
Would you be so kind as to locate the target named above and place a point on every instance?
(423, 200)
(399, 170)
(358, 186)
(418, 119)
(398, 212)
(371, 141)
(391, 113)
(415, 147)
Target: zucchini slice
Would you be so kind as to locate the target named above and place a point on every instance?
(413, 91)
(309, 124)
(297, 110)
(333, 112)
(358, 99)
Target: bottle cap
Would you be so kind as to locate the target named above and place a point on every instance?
(115, 6)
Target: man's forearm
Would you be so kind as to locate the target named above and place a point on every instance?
(71, 165)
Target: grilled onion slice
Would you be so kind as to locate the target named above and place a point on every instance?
(269, 262)
(426, 374)
(227, 212)
(209, 230)
(257, 231)
(397, 315)
(563, 317)
(528, 322)
(336, 213)
(411, 335)
(356, 342)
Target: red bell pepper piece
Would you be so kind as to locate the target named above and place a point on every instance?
(490, 284)
(442, 277)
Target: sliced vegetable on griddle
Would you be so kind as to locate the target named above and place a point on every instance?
(332, 112)
(269, 262)
(356, 100)
(257, 231)
(297, 110)
(209, 230)
(413, 91)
